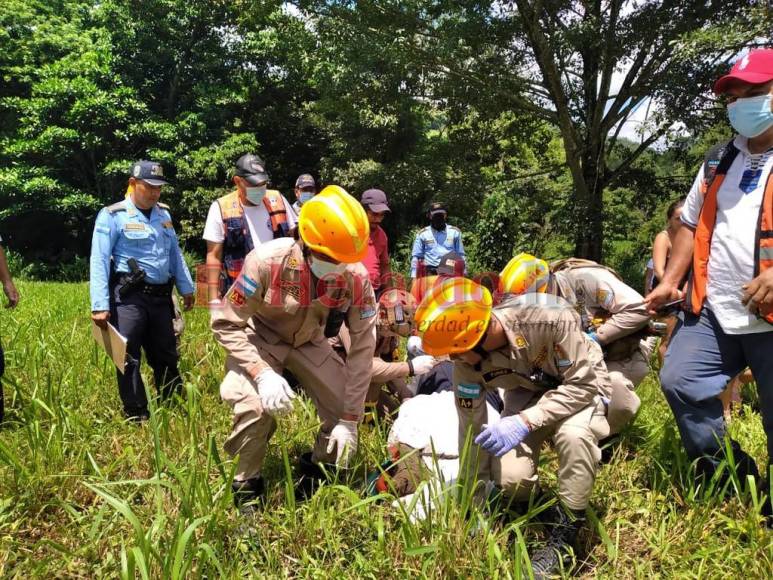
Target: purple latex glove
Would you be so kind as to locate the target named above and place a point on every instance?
(503, 436)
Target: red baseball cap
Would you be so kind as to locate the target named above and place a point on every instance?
(754, 68)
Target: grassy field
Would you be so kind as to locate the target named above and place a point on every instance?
(84, 494)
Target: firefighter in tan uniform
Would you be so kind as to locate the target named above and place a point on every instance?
(273, 317)
(388, 387)
(554, 380)
(611, 312)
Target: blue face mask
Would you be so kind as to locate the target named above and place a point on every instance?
(255, 194)
(751, 116)
(305, 196)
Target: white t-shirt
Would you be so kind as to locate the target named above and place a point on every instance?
(731, 259)
(431, 423)
(257, 218)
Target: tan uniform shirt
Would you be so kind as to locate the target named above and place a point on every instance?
(597, 293)
(547, 356)
(275, 301)
(384, 371)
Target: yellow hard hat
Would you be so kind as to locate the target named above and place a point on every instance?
(524, 274)
(453, 316)
(335, 224)
(396, 311)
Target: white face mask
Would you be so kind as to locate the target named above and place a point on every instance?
(321, 268)
(255, 194)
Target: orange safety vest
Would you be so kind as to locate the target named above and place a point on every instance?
(238, 240)
(763, 245)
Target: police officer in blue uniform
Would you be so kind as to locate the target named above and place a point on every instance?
(434, 242)
(135, 263)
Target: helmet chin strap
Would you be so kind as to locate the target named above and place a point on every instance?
(478, 348)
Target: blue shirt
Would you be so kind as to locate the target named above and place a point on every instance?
(122, 232)
(431, 245)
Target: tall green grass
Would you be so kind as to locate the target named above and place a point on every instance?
(84, 494)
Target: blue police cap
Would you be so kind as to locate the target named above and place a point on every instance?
(150, 172)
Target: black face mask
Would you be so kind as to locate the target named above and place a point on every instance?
(438, 221)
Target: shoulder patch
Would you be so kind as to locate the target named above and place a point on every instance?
(468, 390)
(605, 298)
(520, 341)
(236, 297)
(163, 206)
(246, 286)
(116, 207)
(464, 403)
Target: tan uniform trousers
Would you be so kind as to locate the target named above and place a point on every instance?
(626, 374)
(575, 440)
(253, 427)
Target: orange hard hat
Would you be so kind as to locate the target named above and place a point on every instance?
(421, 286)
(453, 316)
(524, 274)
(396, 311)
(335, 224)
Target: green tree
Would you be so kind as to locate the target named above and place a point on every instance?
(90, 86)
(558, 62)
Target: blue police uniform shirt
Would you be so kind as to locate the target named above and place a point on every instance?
(431, 245)
(125, 233)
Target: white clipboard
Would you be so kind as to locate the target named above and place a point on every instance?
(113, 343)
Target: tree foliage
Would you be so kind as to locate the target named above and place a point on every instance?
(506, 111)
(583, 67)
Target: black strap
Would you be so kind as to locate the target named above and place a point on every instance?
(479, 350)
(491, 375)
(718, 160)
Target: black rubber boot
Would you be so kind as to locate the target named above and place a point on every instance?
(564, 527)
(706, 467)
(608, 447)
(248, 495)
(137, 415)
(310, 476)
(766, 509)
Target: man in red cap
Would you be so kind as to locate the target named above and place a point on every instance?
(726, 236)
(377, 259)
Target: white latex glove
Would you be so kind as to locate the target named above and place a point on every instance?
(413, 346)
(343, 438)
(423, 364)
(276, 396)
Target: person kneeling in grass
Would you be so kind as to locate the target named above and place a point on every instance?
(555, 382)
